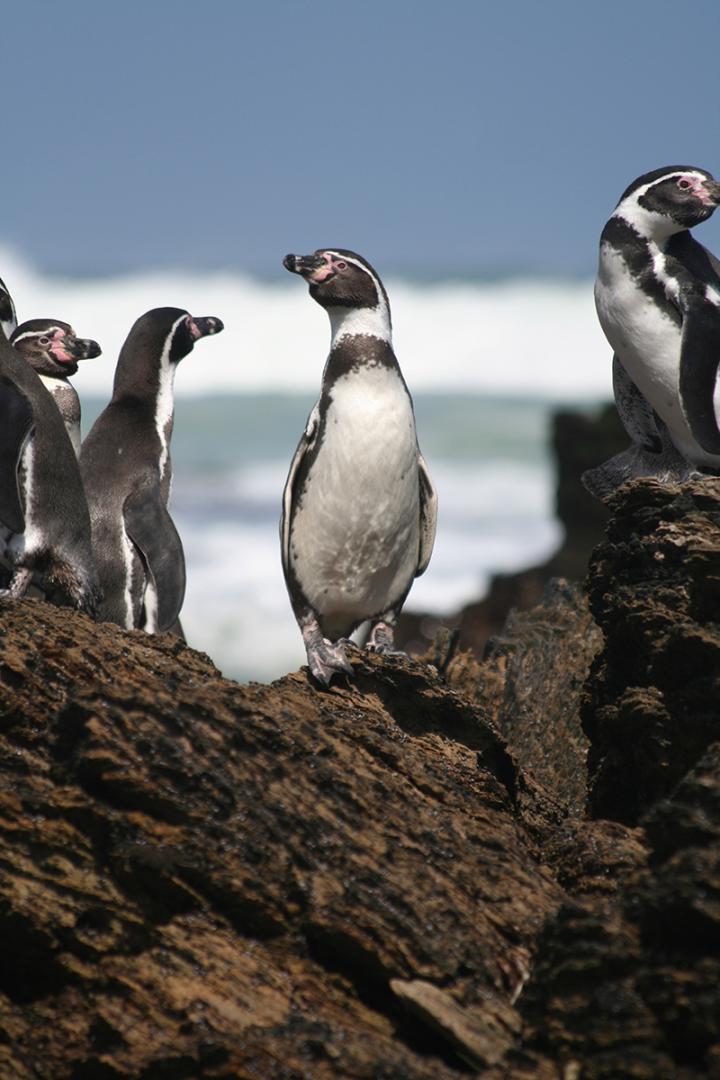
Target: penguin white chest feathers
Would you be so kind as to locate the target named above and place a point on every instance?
(359, 509)
(657, 295)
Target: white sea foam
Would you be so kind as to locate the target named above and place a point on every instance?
(522, 337)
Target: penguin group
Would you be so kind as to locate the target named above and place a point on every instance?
(86, 522)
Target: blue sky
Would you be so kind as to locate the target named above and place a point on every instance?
(435, 138)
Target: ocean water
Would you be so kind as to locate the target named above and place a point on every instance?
(486, 362)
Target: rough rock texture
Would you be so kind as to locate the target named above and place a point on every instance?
(654, 697)
(400, 877)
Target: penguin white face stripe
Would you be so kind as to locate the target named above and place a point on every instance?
(164, 406)
(374, 321)
(50, 331)
(651, 222)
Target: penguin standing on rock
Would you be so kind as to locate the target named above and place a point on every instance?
(44, 520)
(126, 469)
(359, 508)
(53, 350)
(657, 296)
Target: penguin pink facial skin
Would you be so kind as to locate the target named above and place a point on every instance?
(51, 347)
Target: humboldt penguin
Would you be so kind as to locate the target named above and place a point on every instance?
(657, 295)
(125, 466)
(359, 508)
(53, 350)
(44, 520)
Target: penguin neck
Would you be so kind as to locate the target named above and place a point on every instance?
(654, 228)
(366, 321)
(146, 382)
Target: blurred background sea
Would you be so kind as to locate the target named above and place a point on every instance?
(487, 362)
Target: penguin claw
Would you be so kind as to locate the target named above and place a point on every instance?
(384, 649)
(326, 660)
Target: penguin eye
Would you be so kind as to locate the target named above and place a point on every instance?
(340, 265)
(44, 341)
(683, 183)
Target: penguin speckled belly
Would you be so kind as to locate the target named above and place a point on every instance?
(657, 295)
(359, 509)
(43, 511)
(126, 469)
(53, 350)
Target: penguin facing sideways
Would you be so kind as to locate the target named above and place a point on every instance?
(53, 350)
(359, 509)
(44, 520)
(657, 295)
(126, 469)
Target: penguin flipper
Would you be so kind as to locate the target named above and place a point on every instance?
(153, 532)
(16, 426)
(699, 359)
(635, 411)
(307, 440)
(428, 517)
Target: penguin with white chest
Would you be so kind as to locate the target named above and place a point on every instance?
(657, 296)
(44, 520)
(125, 466)
(53, 350)
(359, 508)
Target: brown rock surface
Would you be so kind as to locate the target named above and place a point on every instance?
(395, 878)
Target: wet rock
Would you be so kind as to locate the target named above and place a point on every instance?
(499, 867)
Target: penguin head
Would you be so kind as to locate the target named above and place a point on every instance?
(168, 333)
(51, 347)
(667, 201)
(339, 278)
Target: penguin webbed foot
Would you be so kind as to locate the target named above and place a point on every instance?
(382, 639)
(326, 659)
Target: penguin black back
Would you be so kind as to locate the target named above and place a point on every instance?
(126, 469)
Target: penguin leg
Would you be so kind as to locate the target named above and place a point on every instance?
(19, 583)
(382, 635)
(70, 586)
(325, 659)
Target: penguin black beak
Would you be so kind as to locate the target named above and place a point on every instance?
(204, 325)
(83, 348)
(303, 264)
(713, 189)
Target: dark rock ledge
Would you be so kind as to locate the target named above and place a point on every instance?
(413, 875)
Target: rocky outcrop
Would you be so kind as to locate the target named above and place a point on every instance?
(496, 868)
